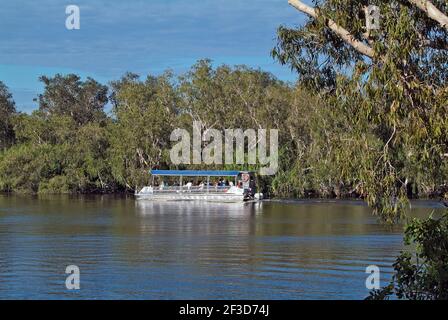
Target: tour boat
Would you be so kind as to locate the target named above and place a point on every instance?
(241, 188)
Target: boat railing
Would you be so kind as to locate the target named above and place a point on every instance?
(192, 189)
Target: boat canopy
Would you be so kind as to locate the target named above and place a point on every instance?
(195, 173)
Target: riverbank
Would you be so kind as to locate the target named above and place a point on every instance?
(432, 202)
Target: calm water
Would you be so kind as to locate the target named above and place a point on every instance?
(142, 250)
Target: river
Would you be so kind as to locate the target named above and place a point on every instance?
(142, 250)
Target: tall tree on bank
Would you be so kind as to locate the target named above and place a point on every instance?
(144, 114)
(7, 111)
(83, 101)
(386, 86)
(62, 147)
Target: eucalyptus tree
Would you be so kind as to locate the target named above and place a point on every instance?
(386, 88)
(62, 147)
(226, 98)
(144, 115)
(83, 101)
(7, 111)
(233, 97)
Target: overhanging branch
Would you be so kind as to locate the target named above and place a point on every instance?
(432, 11)
(340, 31)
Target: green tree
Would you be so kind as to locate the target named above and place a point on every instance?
(233, 97)
(7, 111)
(54, 155)
(83, 101)
(144, 116)
(386, 89)
(421, 273)
(38, 128)
(58, 158)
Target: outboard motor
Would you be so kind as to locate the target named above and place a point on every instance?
(248, 194)
(250, 188)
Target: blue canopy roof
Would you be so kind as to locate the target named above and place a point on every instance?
(195, 173)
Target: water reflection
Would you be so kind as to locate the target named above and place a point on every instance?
(187, 250)
(197, 207)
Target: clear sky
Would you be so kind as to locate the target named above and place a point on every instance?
(142, 36)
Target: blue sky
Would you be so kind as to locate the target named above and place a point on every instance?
(142, 36)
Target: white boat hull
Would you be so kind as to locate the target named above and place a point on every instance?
(230, 196)
(186, 197)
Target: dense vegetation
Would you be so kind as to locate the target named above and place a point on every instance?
(422, 273)
(7, 111)
(385, 133)
(71, 145)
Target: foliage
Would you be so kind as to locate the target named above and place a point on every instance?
(422, 273)
(7, 111)
(328, 146)
(83, 101)
(144, 116)
(385, 128)
(54, 155)
(70, 145)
